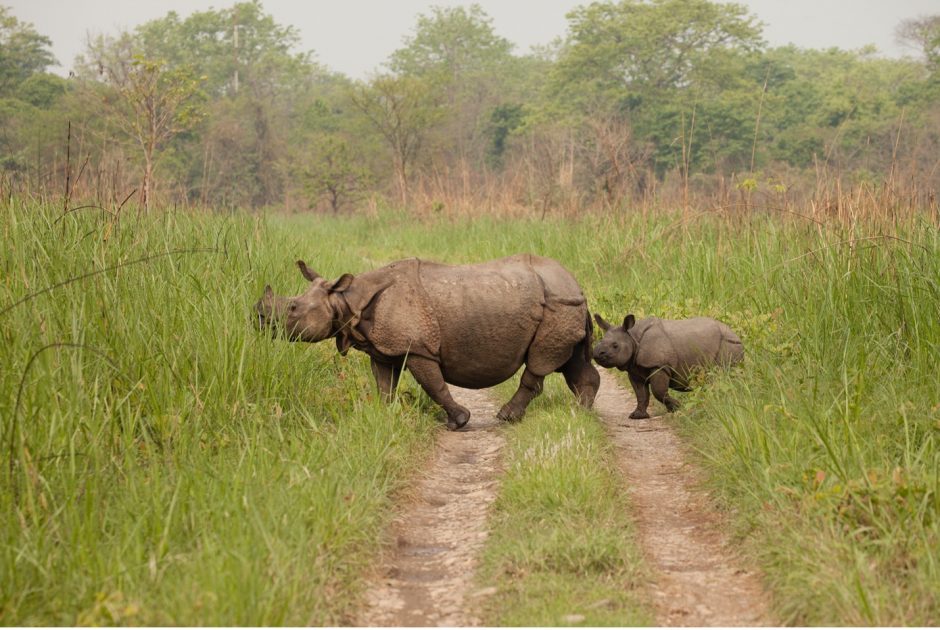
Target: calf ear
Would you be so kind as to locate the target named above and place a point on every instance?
(603, 323)
(628, 321)
(342, 283)
(307, 272)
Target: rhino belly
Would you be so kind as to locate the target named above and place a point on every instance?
(484, 350)
(486, 325)
(476, 375)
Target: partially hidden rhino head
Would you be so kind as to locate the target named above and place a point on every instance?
(306, 317)
(617, 347)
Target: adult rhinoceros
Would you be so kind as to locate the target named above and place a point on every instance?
(469, 325)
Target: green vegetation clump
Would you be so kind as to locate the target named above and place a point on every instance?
(637, 101)
(824, 443)
(164, 462)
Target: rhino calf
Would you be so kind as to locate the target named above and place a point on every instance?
(469, 325)
(660, 353)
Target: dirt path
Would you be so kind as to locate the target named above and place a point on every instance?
(427, 579)
(698, 580)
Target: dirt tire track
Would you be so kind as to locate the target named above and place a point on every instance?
(698, 580)
(425, 580)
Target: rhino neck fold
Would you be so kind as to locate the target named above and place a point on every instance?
(342, 326)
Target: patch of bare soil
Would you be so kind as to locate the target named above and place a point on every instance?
(426, 580)
(698, 580)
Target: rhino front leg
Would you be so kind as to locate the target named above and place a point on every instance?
(429, 377)
(530, 386)
(386, 378)
(642, 391)
(659, 383)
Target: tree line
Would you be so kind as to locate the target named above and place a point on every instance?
(639, 98)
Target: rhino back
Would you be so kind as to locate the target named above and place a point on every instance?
(684, 344)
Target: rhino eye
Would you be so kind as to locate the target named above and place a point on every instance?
(616, 346)
(292, 307)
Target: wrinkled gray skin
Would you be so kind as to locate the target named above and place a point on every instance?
(661, 353)
(470, 325)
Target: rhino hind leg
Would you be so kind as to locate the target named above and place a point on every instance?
(530, 386)
(659, 384)
(581, 376)
(429, 377)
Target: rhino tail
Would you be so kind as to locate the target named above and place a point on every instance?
(588, 342)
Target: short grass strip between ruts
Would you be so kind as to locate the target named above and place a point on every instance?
(561, 547)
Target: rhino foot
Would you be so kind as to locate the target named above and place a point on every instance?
(458, 420)
(508, 414)
(639, 415)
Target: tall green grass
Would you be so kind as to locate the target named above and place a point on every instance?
(171, 465)
(174, 466)
(824, 444)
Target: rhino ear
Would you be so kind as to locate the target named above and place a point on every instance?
(268, 291)
(628, 321)
(603, 323)
(342, 283)
(307, 272)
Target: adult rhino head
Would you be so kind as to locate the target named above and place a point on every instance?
(312, 316)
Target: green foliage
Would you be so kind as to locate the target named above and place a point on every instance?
(42, 90)
(23, 52)
(401, 109)
(262, 58)
(455, 44)
(504, 119)
(167, 464)
(639, 97)
(335, 174)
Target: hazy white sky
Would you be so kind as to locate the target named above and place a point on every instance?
(356, 36)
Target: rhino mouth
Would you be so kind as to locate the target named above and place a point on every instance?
(604, 361)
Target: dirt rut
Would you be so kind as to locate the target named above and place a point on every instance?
(427, 579)
(697, 578)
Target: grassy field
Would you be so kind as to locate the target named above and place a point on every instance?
(166, 464)
(170, 465)
(561, 482)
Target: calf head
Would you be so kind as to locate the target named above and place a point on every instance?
(617, 346)
(309, 316)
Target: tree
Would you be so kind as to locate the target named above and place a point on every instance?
(335, 173)
(149, 101)
(923, 34)
(401, 109)
(674, 69)
(23, 52)
(237, 49)
(456, 51)
(256, 84)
